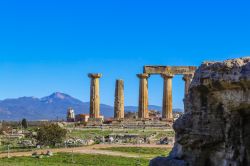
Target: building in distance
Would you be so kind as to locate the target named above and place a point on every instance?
(70, 115)
(82, 118)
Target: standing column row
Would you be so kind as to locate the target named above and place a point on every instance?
(167, 112)
(94, 96)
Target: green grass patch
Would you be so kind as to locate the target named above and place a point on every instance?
(15, 149)
(91, 133)
(145, 152)
(66, 159)
(88, 134)
(163, 134)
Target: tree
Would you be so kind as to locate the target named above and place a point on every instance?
(24, 123)
(4, 128)
(51, 134)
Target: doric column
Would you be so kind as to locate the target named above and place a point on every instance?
(119, 100)
(94, 96)
(143, 96)
(167, 110)
(187, 78)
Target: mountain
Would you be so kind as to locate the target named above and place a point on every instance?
(51, 107)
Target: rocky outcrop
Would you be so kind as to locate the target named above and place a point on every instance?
(215, 129)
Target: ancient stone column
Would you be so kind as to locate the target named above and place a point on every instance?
(187, 78)
(94, 96)
(167, 110)
(119, 100)
(143, 96)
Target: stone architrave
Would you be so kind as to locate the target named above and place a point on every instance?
(167, 110)
(143, 96)
(119, 100)
(94, 96)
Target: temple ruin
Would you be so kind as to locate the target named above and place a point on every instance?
(166, 72)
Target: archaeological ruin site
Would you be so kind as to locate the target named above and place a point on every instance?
(125, 83)
(214, 129)
(166, 72)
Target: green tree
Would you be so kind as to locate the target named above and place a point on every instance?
(51, 134)
(24, 123)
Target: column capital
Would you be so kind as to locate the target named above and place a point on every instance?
(143, 75)
(94, 75)
(187, 77)
(119, 80)
(165, 76)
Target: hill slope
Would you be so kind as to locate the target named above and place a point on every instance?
(50, 107)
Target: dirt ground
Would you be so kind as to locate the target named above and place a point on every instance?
(94, 149)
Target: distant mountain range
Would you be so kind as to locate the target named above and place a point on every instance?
(53, 107)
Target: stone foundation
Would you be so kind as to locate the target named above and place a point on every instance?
(94, 122)
(137, 123)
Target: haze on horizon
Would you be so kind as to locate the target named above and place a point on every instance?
(48, 46)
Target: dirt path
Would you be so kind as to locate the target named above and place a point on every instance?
(95, 149)
(105, 152)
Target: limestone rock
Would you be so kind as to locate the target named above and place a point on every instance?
(215, 129)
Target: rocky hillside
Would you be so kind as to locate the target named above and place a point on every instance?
(215, 130)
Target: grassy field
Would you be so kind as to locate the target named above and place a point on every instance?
(66, 159)
(88, 133)
(4, 149)
(91, 133)
(144, 152)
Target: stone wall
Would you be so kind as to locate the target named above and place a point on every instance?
(215, 130)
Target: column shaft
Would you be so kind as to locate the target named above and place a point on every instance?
(187, 78)
(94, 96)
(119, 100)
(167, 110)
(143, 96)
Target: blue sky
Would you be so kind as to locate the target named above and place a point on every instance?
(49, 45)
